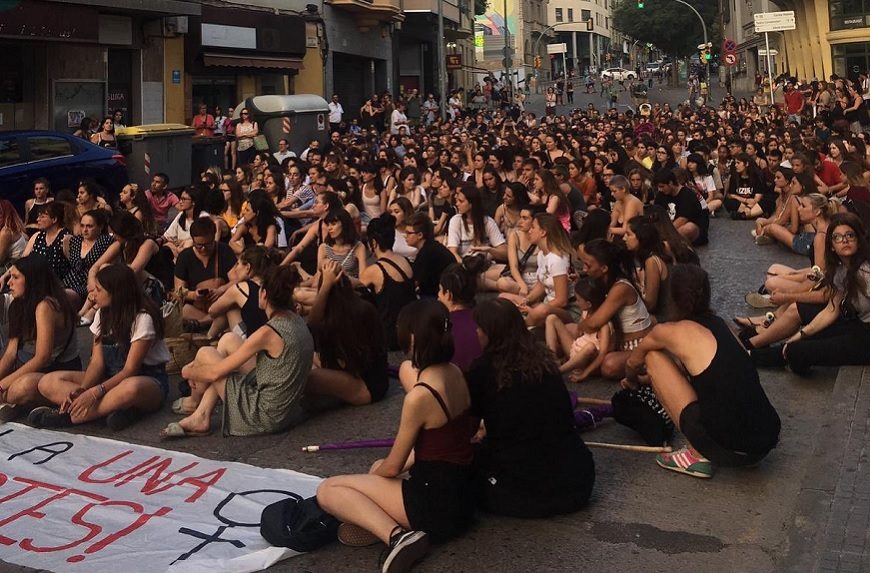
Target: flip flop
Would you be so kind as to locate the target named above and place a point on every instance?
(178, 408)
(744, 321)
(174, 431)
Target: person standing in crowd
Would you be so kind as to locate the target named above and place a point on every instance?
(336, 113)
(204, 122)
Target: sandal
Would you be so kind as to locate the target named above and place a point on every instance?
(174, 431)
(355, 536)
(744, 321)
(178, 408)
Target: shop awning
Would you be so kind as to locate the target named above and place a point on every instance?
(239, 61)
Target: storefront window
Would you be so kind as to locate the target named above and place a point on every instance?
(851, 59)
(846, 14)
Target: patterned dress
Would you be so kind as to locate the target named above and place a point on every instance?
(264, 400)
(53, 253)
(77, 277)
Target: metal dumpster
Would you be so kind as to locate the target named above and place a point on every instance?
(297, 118)
(207, 152)
(157, 148)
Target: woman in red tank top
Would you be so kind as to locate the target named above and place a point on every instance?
(436, 502)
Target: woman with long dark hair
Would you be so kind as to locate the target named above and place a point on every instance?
(391, 277)
(352, 357)
(437, 501)
(42, 337)
(706, 382)
(258, 224)
(611, 265)
(840, 334)
(471, 229)
(531, 462)
(746, 188)
(126, 376)
(651, 261)
(177, 235)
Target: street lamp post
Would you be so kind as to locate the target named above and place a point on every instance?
(548, 28)
(707, 63)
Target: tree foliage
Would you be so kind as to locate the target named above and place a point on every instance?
(668, 25)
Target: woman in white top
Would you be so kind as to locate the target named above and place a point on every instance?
(13, 238)
(409, 187)
(703, 181)
(374, 198)
(401, 209)
(553, 292)
(126, 376)
(471, 230)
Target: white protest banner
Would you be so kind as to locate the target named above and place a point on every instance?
(76, 503)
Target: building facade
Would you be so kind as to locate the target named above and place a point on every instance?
(509, 36)
(831, 37)
(585, 27)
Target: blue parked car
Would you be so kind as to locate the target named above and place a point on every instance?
(59, 157)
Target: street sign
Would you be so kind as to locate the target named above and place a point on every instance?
(730, 59)
(729, 45)
(557, 48)
(507, 51)
(764, 52)
(454, 61)
(774, 21)
(507, 63)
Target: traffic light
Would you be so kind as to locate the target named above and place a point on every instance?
(537, 61)
(707, 56)
(703, 56)
(640, 4)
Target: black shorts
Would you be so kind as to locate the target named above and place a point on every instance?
(692, 427)
(439, 499)
(377, 381)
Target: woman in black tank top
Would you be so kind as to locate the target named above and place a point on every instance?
(706, 382)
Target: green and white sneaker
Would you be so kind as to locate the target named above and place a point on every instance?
(686, 461)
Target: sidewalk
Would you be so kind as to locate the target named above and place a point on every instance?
(830, 528)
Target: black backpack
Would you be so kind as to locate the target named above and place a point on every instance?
(298, 524)
(642, 412)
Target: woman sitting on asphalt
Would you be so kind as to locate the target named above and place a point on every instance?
(611, 266)
(652, 263)
(391, 277)
(13, 236)
(352, 357)
(126, 376)
(706, 382)
(83, 252)
(531, 462)
(238, 309)
(553, 292)
(839, 335)
(256, 401)
(520, 274)
(817, 210)
(437, 502)
(42, 326)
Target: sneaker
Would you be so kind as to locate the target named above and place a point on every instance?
(406, 548)
(122, 419)
(756, 300)
(9, 412)
(48, 417)
(686, 461)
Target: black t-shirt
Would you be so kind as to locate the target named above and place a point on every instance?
(686, 204)
(189, 269)
(431, 260)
